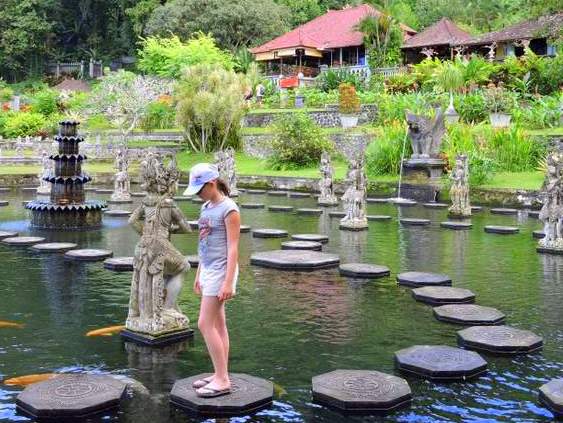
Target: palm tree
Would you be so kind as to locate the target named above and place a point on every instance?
(378, 35)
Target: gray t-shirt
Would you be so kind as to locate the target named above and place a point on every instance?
(212, 248)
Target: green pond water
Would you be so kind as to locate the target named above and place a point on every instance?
(286, 326)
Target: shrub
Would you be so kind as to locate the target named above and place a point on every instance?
(45, 102)
(348, 101)
(539, 113)
(513, 151)
(331, 80)
(499, 100)
(297, 142)
(6, 93)
(393, 107)
(160, 115)
(383, 155)
(400, 83)
(471, 107)
(23, 124)
(98, 122)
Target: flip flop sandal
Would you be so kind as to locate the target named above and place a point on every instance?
(200, 383)
(212, 393)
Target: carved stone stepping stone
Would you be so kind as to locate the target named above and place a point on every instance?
(277, 193)
(440, 295)
(417, 279)
(440, 362)
(361, 391)
(298, 194)
(499, 340)
(142, 194)
(503, 230)
(280, 208)
(323, 239)
(295, 260)
(117, 213)
(103, 191)
(4, 203)
(119, 264)
(377, 200)
(197, 200)
(402, 202)
(180, 198)
(363, 270)
(468, 314)
(476, 209)
(88, 254)
(378, 217)
(256, 191)
(269, 233)
(193, 260)
(54, 247)
(119, 201)
(459, 226)
(436, 205)
(551, 394)
(248, 395)
(8, 234)
(252, 206)
(302, 245)
(538, 234)
(23, 240)
(338, 214)
(504, 211)
(245, 229)
(533, 214)
(414, 222)
(315, 212)
(71, 396)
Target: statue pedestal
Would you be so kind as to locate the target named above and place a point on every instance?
(423, 168)
(157, 340)
(327, 202)
(354, 225)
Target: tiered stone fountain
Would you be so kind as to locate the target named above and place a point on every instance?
(67, 207)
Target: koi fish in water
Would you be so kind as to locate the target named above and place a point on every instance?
(29, 379)
(7, 324)
(109, 331)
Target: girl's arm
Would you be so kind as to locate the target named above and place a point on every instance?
(197, 287)
(232, 224)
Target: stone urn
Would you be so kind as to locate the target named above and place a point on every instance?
(349, 120)
(499, 120)
(299, 101)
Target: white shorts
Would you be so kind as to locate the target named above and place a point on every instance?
(211, 280)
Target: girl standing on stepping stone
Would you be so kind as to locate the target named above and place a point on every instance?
(217, 273)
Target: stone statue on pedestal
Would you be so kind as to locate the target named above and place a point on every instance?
(159, 267)
(426, 134)
(226, 165)
(459, 191)
(122, 183)
(551, 213)
(354, 198)
(326, 185)
(19, 149)
(47, 167)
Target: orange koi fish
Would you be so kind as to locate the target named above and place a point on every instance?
(109, 331)
(29, 379)
(7, 324)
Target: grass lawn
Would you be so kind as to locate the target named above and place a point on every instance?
(546, 132)
(521, 180)
(265, 130)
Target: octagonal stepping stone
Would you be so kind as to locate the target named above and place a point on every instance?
(378, 217)
(90, 189)
(104, 191)
(295, 260)
(377, 200)
(119, 264)
(244, 229)
(193, 260)
(29, 189)
(440, 362)
(8, 234)
(256, 191)
(459, 226)
(54, 247)
(117, 213)
(298, 195)
(197, 200)
(502, 230)
(414, 222)
(440, 295)
(505, 211)
(499, 340)
(323, 239)
(269, 233)
(302, 245)
(533, 214)
(4, 203)
(180, 198)
(417, 279)
(277, 193)
(476, 209)
(314, 212)
(23, 240)
(402, 202)
(71, 396)
(436, 205)
(248, 394)
(551, 394)
(363, 270)
(538, 234)
(252, 206)
(338, 214)
(361, 391)
(182, 185)
(142, 194)
(88, 254)
(468, 314)
(280, 208)
(119, 201)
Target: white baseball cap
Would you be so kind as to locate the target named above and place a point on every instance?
(200, 174)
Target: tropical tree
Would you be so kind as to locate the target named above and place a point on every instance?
(382, 37)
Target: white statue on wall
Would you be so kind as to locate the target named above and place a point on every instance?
(46, 168)
(122, 183)
(326, 183)
(459, 191)
(354, 198)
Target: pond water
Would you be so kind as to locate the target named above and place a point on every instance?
(287, 326)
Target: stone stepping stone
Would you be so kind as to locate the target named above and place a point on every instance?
(269, 233)
(378, 217)
(295, 260)
(363, 270)
(104, 191)
(338, 214)
(418, 279)
(504, 211)
(499, 340)
(277, 193)
(117, 213)
(298, 195)
(402, 202)
(180, 198)
(88, 254)
(533, 214)
(440, 295)
(90, 189)
(119, 264)
(361, 391)
(29, 189)
(414, 222)
(503, 230)
(476, 209)
(194, 224)
(323, 239)
(252, 206)
(456, 225)
(280, 208)
(182, 185)
(71, 396)
(538, 234)
(54, 247)
(142, 194)
(547, 250)
(248, 395)
(468, 314)
(245, 229)
(302, 245)
(256, 191)
(8, 234)
(193, 260)
(314, 212)
(436, 205)
(377, 200)
(2, 190)
(197, 200)
(551, 395)
(119, 201)
(23, 240)
(4, 203)
(440, 362)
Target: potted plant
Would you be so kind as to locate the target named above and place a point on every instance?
(450, 79)
(499, 103)
(348, 105)
(299, 99)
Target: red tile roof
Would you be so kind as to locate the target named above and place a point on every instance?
(443, 32)
(334, 29)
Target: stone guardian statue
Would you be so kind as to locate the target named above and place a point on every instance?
(354, 198)
(459, 191)
(326, 184)
(122, 183)
(551, 213)
(46, 168)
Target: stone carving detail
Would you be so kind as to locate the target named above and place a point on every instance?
(492, 51)
(47, 167)
(226, 164)
(19, 149)
(122, 183)
(428, 52)
(426, 134)
(459, 191)
(158, 266)
(551, 213)
(326, 185)
(354, 197)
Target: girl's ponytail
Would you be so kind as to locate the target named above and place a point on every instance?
(223, 187)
